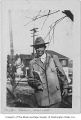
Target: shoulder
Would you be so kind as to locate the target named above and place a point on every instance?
(48, 55)
(52, 56)
(55, 56)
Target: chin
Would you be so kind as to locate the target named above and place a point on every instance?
(40, 55)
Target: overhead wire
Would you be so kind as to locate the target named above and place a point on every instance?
(35, 18)
(45, 19)
(54, 25)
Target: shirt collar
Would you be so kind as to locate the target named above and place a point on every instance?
(43, 57)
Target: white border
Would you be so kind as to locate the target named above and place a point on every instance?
(43, 4)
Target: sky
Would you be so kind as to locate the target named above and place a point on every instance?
(22, 22)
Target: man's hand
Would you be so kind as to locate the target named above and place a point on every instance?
(33, 82)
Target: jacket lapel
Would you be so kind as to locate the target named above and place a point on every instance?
(46, 63)
(41, 64)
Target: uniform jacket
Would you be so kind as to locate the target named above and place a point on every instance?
(51, 93)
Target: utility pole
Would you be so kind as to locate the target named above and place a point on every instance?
(11, 37)
(34, 31)
(12, 68)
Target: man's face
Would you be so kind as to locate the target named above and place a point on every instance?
(40, 50)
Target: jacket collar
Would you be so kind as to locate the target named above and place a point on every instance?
(45, 64)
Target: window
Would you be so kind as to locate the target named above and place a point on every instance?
(64, 62)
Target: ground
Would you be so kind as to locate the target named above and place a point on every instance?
(24, 97)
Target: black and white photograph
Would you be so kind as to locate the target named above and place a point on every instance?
(40, 51)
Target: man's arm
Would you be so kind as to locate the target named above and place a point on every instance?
(62, 73)
(32, 81)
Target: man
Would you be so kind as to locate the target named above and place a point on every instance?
(46, 83)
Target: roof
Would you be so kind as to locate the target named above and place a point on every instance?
(55, 53)
(25, 56)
